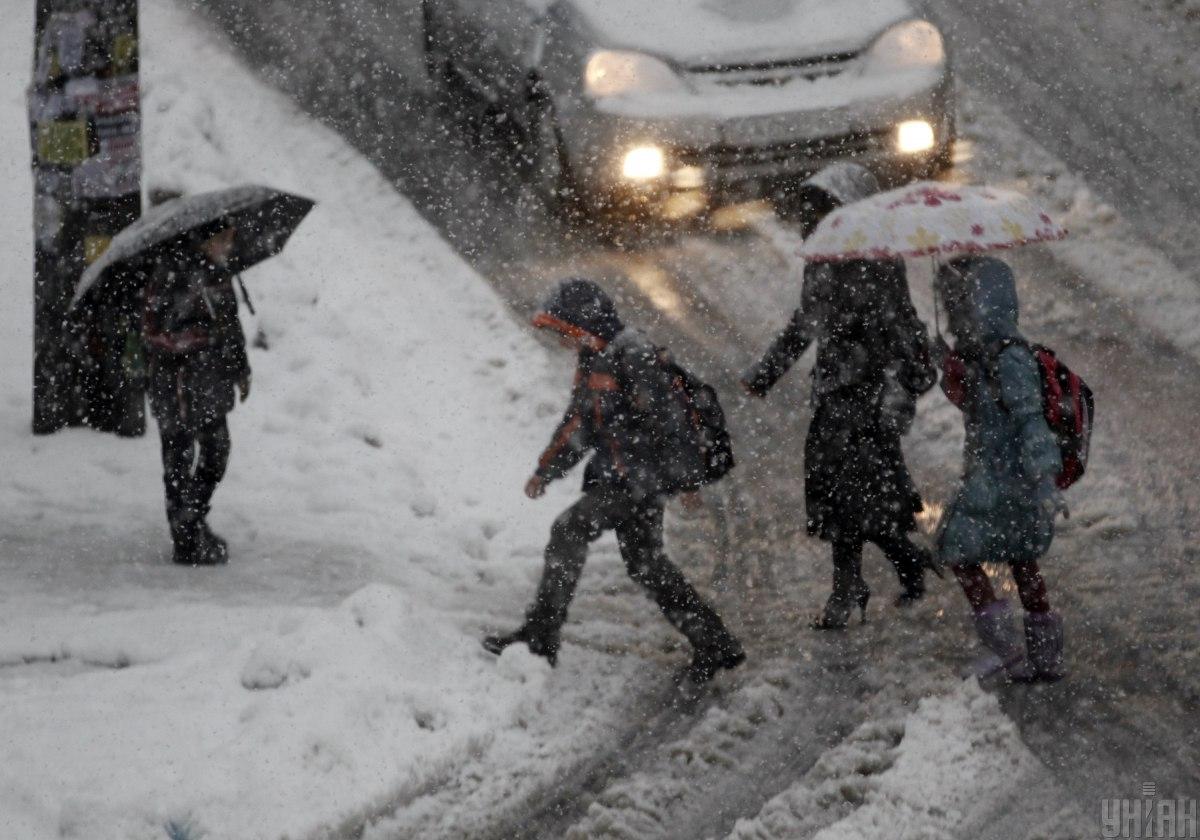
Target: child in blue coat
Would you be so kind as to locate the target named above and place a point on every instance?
(1005, 508)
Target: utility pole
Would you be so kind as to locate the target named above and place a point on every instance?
(85, 127)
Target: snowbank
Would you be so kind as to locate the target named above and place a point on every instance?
(939, 772)
(372, 507)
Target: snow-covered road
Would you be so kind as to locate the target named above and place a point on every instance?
(1113, 301)
(1109, 86)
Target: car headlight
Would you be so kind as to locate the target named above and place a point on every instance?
(616, 72)
(913, 136)
(644, 163)
(912, 45)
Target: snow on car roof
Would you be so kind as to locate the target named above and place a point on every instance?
(712, 31)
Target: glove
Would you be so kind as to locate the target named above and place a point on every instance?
(535, 487)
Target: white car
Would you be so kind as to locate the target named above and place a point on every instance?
(670, 104)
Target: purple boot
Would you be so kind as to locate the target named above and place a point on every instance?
(1044, 640)
(994, 624)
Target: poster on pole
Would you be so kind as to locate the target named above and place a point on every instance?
(85, 136)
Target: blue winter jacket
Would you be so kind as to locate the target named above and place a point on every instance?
(1002, 510)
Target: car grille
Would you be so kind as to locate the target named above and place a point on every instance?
(772, 73)
(779, 157)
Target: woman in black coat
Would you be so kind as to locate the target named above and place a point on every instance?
(872, 363)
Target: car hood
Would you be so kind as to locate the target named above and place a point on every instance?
(695, 32)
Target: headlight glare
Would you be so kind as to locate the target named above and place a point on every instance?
(616, 72)
(914, 136)
(644, 163)
(912, 45)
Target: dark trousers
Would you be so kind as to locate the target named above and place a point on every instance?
(908, 559)
(639, 529)
(194, 462)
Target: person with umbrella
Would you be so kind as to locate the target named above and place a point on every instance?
(1006, 504)
(195, 358)
(184, 255)
(872, 363)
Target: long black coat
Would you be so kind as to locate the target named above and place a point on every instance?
(195, 348)
(872, 362)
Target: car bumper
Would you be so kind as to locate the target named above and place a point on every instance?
(744, 143)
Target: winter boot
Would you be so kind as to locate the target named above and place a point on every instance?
(913, 591)
(185, 537)
(540, 643)
(706, 661)
(840, 604)
(911, 563)
(1044, 640)
(994, 624)
(212, 550)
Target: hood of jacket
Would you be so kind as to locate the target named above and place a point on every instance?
(578, 305)
(982, 291)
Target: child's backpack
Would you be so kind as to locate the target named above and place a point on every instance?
(705, 421)
(1069, 407)
(1067, 404)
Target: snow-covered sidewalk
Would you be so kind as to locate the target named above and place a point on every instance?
(372, 507)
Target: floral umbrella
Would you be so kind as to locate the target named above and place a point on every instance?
(928, 219)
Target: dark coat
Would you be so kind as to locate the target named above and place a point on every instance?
(622, 413)
(872, 363)
(195, 348)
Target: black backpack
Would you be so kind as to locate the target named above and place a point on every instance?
(706, 425)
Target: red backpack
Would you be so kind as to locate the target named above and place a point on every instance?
(1067, 403)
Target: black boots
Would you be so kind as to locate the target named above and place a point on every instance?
(195, 544)
(706, 661)
(540, 642)
(841, 603)
(913, 591)
(214, 550)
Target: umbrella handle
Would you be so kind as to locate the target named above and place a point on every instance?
(245, 294)
(937, 318)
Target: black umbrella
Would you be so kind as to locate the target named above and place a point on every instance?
(263, 217)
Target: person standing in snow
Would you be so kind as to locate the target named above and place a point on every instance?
(1005, 508)
(196, 357)
(619, 381)
(872, 363)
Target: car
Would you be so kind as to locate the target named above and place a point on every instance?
(667, 106)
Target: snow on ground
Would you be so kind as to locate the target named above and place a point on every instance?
(933, 773)
(372, 508)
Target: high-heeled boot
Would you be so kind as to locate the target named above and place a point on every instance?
(849, 588)
(840, 605)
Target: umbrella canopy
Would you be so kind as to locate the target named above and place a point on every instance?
(264, 218)
(927, 219)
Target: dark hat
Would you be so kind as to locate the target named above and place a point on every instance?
(580, 305)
